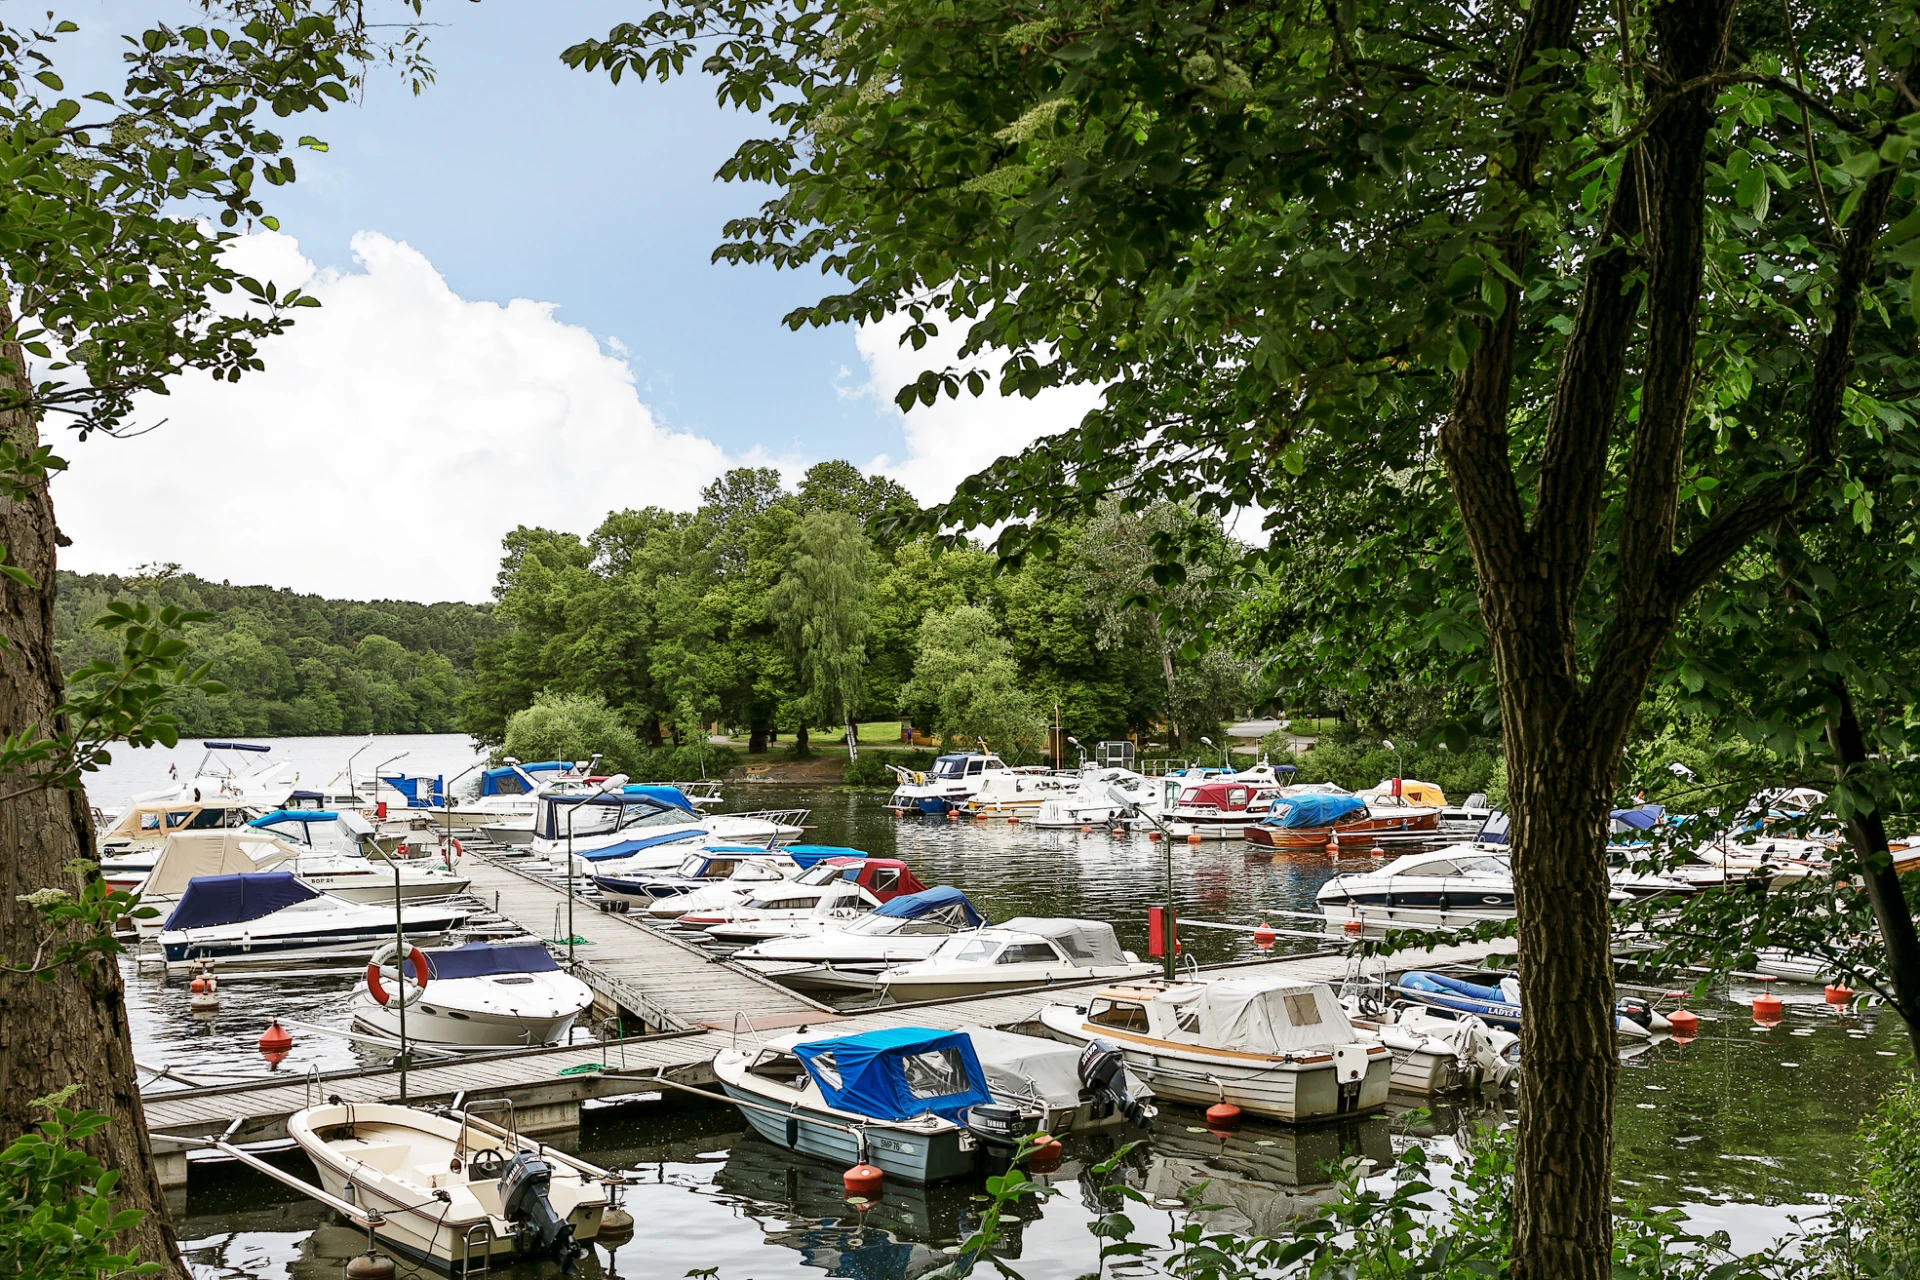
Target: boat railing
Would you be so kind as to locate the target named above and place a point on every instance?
(484, 1232)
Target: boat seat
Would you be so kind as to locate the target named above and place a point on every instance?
(387, 1157)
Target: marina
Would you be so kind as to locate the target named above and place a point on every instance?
(667, 1005)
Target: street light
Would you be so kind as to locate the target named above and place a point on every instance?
(446, 803)
(1126, 801)
(1226, 762)
(1399, 768)
(616, 781)
(375, 799)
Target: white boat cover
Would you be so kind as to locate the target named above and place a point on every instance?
(1271, 1015)
(1089, 942)
(237, 851)
(1027, 1067)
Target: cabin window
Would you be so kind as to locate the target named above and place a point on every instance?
(1439, 867)
(935, 1074)
(149, 822)
(975, 766)
(921, 928)
(1187, 1018)
(720, 868)
(208, 818)
(1122, 1015)
(178, 817)
(972, 951)
(1237, 797)
(1027, 953)
(1483, 867)
(825, 1069)
(511, 785)
(1303, 1010)
(886, 880)
(787, 904)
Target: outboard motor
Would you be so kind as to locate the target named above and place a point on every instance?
(1103, 1077)
(523, 1201)
(999, 1129)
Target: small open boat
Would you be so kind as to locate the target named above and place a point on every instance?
(453, 1191)
(1495, 998)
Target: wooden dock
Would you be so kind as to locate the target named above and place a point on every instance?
(692, 1004)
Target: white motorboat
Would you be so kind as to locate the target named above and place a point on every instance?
(851, 958)
(230, 771)
(639, 828)
(665, 893)
(510, 793)
(1460, 884)
(452, 1190)
(338, 851)
(275, 914)
(1027, 951)
(1067, 1088)
(1268, 1044)
(480, 996)
(1221, 809)
(1017, 792)
(128, 847)
(1092, 803)
(782, 910)
(1467, 818)
(951, 782)
(185, 858)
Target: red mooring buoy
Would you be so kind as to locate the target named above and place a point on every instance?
(1223, 1115)
(1264, 937)
(863, 1180)
(1685, 1023)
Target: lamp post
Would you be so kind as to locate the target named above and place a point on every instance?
(1399, 768)
(1226, 762)
(617, 780)
(1126, 801)
(446, 802)
(375, 798)
(400, 972)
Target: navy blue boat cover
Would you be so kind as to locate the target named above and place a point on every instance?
(485, 959)
(1644, 818)
(608, 853)
(212, 900)
(897, 1073)
(911, 906)
(1311, 810)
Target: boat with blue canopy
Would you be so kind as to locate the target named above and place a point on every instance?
(896, 1097)
(275, 913)
(736, 865)
(632, 826)
(851, 958)
(1495, 998)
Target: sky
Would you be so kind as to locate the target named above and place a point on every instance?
(520, 324)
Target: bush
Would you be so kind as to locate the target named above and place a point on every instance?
(870, 770)
(573, 726)
(684, 764)
(1890, 1145)
(57, 1220)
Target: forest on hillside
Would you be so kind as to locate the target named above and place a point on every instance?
(293, 663)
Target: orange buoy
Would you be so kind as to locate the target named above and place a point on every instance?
(1838, 993)
(199, 986)
(1223, 1115)
(1013, 819)
(1685, 1023)
(1766, 1008)
(1153, 835)
(1193, 837)
(275, 1041)
(1353, 928)
(1376, 852)
(1264, 937)
(1084, 828)
(862, 1180)
(1333, 845)
(952, 816)
(1045, 1154)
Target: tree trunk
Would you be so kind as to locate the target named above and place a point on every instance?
(853, 739)
(650, 732)
(72, 1030)
(757, 739)
(800, 739)
(1868, 834)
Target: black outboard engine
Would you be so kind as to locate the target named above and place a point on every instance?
(523, 1201)
(1103, 1078)
(999, 1129)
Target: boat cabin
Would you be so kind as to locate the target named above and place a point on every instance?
(1036, 940)
(896, 1073)
(884, 878)
(972, 764)
(416, 790)
(516, 779)
(1227, 798)
(317, 830)
(1267, 1015)
(153, 821)
(614, 811)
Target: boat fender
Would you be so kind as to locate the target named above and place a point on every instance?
(378, 991)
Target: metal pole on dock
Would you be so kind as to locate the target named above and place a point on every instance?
(446, 807)
(399, 965)
(1126, 801)
(608, 785)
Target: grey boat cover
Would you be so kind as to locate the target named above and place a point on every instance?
(1026, 1069)
(1270, 1014)
(1088, 942)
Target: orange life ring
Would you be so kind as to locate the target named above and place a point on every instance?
(379, 992)
(451, 852)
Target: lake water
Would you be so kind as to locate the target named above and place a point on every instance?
(1741, 1126)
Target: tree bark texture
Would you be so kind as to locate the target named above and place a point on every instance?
(1867, 832)
(800, 739)
(72, 1030)
(757, 739)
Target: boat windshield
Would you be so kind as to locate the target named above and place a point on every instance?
(632, 816)
(950, 767)
(824, 873)
(967, 950)
(691, 865)
(1484, 867)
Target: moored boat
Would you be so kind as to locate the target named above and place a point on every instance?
(1309, 822)
(275, 914)
(951, 782)
(1028, 951)
(482, 995)
(1271, 1045)
(851, 958)
(452, 1191)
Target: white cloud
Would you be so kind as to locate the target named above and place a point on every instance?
(949, 440)
(395, 435)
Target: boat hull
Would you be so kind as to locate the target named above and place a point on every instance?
(1312, 838)
(910, 1157)
(429, 1023)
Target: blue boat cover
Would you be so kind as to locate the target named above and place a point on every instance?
(625, 847)
(808, 854)
(1441, 984)
(911, 906)
(897, 1073)
(1494, 829)
(1311, 810)
(484, 959)
(1644, 818)
(236, 899)
(666, 795)
(279, 816)
(491, 779)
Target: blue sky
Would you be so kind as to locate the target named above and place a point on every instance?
(520, 325)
